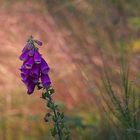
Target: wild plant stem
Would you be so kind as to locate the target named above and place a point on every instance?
(60, 129)
(56, 116)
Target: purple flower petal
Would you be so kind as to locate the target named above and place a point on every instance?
(34, 66)
(31, 88)
(31, 52)
(25, 71)
(45, 80)
(35, 70)
(30, 46)
(24, 49)
(37, 57)
(29, 63)
(24, 56)
(38, 42)
(35, 80)
(44, 67)
(22, 67)
(27, 81)
(24, 76)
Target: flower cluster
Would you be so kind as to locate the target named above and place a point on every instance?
(34, 69)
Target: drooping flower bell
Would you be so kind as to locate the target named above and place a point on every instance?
(34, 69)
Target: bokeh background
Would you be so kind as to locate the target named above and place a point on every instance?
(80, 38)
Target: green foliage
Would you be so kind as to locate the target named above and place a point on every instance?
(69, 4)
(124, 103)
(59, 130)
(134, 23)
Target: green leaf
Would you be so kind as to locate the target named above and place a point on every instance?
(62, 125)
(62, 115)
(43, 96)
(55, 106)
(46, 94)
(49, 104)
(67, 137)
(53, 132)
(52, 106)
(54, 119)
(50, 91)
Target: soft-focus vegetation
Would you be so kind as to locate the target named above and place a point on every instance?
(82, 39)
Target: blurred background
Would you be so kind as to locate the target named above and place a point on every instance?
(80, 38)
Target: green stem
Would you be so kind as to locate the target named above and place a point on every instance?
(56, 116)
(60, 129)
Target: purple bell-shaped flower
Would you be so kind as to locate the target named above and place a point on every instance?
(34, 69)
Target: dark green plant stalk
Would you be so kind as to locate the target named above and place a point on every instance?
(59, 130)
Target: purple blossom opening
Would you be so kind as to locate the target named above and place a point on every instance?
(37, 57)
(29, 63)
(34, 69)
(24, 70)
